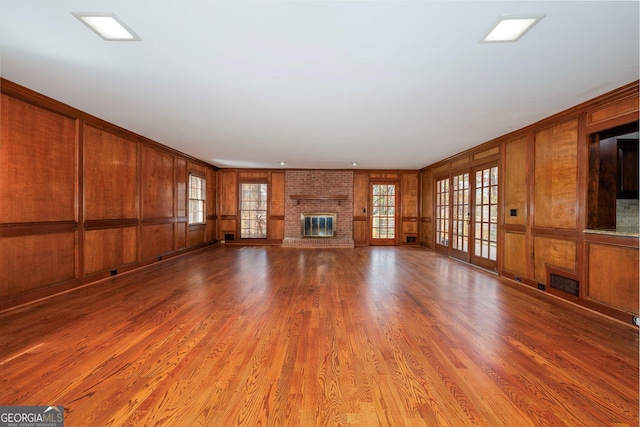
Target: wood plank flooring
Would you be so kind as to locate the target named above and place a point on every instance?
(375, 336)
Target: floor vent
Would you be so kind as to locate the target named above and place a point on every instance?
(564, 284)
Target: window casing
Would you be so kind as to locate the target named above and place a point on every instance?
(197, 198)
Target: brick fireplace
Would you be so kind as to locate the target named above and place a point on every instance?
(323, 191)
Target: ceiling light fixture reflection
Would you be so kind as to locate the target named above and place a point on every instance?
(108, 26)
(510, 28)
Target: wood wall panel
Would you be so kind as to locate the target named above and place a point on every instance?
(211, 192)
(29, 262)
(197, 169)
(182, 231)
(110, 175)
(409, 194)
(426, 234)
(486, 153)
(277, 194)
(276, 229)
(613, 276)
(556, 174)
(110, 248)
(158, 183)
(426, 201)
(60, 166)
(229, 226)
(196, 236)
(360, 233)
(515, 181)
(515, 253)
(555, 252)
(253, 175)
(409, 228)
(157, 239)
(360, 195)
(37, 164)
(228, 188)
(212, 218)
(608, 112)
(182, 183)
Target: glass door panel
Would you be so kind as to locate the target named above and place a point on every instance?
(460, 216)
(485, 229)
(442, 215)
(383, 214)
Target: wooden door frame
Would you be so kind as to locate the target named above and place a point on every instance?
(437, 246)
(385, 242)
(474, 259)
(456, 253)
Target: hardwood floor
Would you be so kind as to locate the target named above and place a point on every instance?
(371, 336)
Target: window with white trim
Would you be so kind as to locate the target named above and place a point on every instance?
(197, 194)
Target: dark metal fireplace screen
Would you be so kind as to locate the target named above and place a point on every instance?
(318, 224)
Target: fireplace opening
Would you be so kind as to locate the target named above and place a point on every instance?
(318, 224)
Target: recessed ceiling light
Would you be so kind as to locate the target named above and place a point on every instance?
(511, 28)
(108, 26)
(282, 163)
(354, 163)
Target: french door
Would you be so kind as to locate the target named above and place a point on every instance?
(466, 216)
(485, 218)
(383, 214)
(460, 216)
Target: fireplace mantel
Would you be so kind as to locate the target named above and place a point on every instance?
(299, 197)
(312, 197)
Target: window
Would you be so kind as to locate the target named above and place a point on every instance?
(197, 191)
(253, 211)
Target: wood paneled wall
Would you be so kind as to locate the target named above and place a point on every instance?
(544, 179)
(229, 182)
(81, 199)
(408, 187)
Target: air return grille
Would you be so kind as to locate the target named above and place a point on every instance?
(564, 284)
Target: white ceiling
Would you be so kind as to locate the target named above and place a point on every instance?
(319, 84)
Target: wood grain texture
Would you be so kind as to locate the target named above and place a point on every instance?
(556, 175)
(360, 194)
(110, 248)
(515, 181)
(409, 193)
(110, 175)
(182, 181)
(37, 261)
(158, 188)
(37, 164)
(556, 252)
(228, 193)
(514, 253)
(276, 191)
(620, 266)
(156, 239)
(376, 336)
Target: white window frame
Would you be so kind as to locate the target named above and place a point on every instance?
(197, 192)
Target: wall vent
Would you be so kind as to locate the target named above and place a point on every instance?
(229, 237)
(564, 284)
